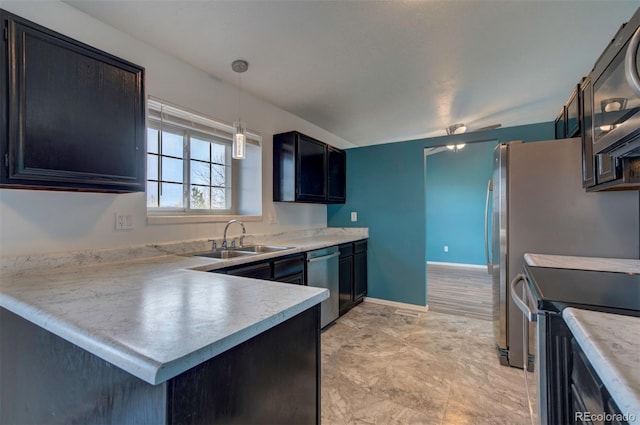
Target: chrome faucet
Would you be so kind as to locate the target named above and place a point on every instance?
(244, 231)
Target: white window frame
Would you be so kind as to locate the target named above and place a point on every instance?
(178, 120)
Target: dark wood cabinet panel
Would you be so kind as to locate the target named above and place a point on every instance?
(588, 159)
(307, 170)
(256, 270)
(352, 274)
(573, 114)
(272, 378)
(561, 124)
(345, 267)
(311, 166)
(74, 117)
(336, 190)
(359, 275)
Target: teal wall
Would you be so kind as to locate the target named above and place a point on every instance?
(386, 186)
(456, 187)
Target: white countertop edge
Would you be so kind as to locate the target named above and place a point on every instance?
(621, 265)
(145, 368)
(176, 367)
(611, 376)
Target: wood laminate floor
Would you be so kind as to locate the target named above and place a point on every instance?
(383, 367)
(459, 290)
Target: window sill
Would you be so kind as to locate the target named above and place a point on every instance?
(186, 219)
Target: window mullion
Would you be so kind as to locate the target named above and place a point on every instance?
(186, 171)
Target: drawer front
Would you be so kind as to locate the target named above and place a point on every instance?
(360, 246)
(288, 266)
(346, 249)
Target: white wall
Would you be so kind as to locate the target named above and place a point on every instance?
(35, 221)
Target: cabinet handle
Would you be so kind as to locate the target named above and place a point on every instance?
(323, 258)
(631, 70)
(486, 227)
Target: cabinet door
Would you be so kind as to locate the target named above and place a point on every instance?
(359, 275)
(346, 283)
(337, 192)
(588, 160)
(573, 114)
(295, 279)
(76, 115)
(311, 165)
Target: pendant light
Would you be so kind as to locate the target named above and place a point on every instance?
(239, 127)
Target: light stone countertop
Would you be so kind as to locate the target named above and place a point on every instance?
(611, 342)
(583, 263)
(158, 316)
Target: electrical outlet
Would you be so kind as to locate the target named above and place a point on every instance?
(354, 216)
(124, 221)
(446, 248)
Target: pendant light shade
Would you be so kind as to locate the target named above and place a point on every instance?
(239, 127)
(239, 140)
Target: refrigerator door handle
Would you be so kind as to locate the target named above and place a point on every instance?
(486, 226)
(631, 70)
(519, 301)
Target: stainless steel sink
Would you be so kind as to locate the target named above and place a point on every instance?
(225, 253)
(259, 249)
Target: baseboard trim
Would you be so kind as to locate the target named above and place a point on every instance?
(406, 306)
(474, 266)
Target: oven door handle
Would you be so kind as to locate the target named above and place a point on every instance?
(631, 69)
(519, 301)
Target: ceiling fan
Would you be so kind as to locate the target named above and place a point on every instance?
(462, 128)
(459, 128)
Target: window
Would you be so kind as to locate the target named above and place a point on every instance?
(189, 165)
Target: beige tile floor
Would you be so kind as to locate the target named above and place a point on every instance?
(380, 367)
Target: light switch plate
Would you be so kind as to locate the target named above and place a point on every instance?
(354, 216)
(124, 221)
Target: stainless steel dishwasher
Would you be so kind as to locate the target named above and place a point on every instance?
(322, 272)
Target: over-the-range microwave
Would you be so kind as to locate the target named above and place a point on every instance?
(616, 94)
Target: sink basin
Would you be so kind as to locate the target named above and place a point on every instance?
(225, 253)
(256, 249)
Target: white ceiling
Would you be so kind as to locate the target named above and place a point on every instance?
(380, 71)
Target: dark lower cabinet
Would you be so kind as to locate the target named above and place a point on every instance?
(271, 379)
(558, 363)
(345, 267)
(288, 269)
(352, 274)
(359, 270)
(575, 393)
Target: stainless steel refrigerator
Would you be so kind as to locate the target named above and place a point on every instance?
(539, 206)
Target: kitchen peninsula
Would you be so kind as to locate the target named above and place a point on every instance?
(159, 340)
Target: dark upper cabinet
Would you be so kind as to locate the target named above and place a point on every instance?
(561, 124)
(588, 160)
(73, 117)
(311, 166)
(337, 173)
(573, 113)
(568, 122)
(307, 170)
